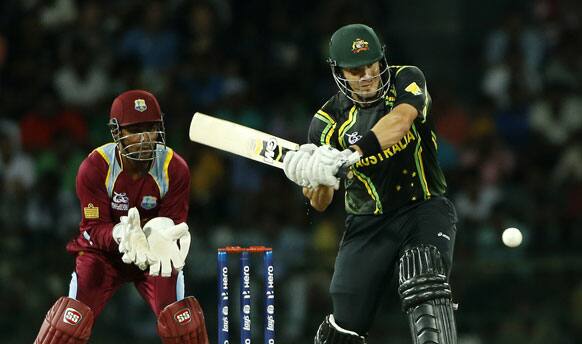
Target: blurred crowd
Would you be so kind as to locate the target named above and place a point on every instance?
(510, 146)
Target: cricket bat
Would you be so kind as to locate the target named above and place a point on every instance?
(240, 140)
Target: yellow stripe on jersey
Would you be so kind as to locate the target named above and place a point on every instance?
(400, 68)
(371, 190)
(106, 158)
(347, 125)
(425, 107)
(434, 140)
(166, 164)
(423, 174)
(419, 164)
(321, 118)
(326, 115)
(327, 133)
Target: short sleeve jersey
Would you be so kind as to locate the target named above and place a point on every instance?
(402, 174)
(106, 192)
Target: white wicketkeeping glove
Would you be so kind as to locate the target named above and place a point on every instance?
(132, 240)
(295, 161)
(163, 237)
(325, 162)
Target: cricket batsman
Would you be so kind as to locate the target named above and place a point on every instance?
(133, 195)
(398, 219)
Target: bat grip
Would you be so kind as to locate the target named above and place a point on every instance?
(343, 171)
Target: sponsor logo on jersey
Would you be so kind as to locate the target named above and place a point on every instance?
(72, 316)
(414, 89)
(91, 212)
(120, 201)
(353, 137)
(359, 45)
(183, 316)
(149, 202)
(140, 105)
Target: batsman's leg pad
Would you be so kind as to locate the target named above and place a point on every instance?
(182, 322)
(331, 333)
(426, 296)
(68, 321)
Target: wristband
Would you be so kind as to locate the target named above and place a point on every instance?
(369, 144)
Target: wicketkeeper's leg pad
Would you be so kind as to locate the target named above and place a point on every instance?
(68, 321)
(182, 322)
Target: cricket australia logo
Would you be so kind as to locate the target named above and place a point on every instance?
(359, 45)
(353, 137)
(120, 201)
(140, 105)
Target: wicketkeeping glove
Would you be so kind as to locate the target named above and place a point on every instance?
(163, 237)
(132, 240)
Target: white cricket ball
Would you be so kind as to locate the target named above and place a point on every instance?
(512, 237)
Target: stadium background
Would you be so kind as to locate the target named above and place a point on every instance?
(506, 81)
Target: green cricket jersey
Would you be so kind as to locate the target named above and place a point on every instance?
(402, 174)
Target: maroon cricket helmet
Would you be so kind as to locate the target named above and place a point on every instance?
(135, 106)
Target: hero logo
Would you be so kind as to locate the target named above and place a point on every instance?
(270, 147)
(183, 316)
(72, 316)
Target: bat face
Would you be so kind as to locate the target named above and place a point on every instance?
(238, 139)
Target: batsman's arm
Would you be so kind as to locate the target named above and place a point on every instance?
(387, 131)
(319, 197)
(412, 101)
(391, 128)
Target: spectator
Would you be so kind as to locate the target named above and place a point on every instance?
(81, 82)
(17, 177)
(557, 115)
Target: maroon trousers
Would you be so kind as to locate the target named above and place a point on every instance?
(97, 277)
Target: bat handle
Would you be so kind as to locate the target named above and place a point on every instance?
(343, 171)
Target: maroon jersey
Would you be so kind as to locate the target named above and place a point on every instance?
(106, 193)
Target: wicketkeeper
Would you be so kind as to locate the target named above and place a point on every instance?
(134, 203)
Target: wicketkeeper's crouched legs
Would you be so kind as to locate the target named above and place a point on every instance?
(426, 296)
(182, 322)
(68, 321)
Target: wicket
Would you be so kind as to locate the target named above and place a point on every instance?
(245, 293)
